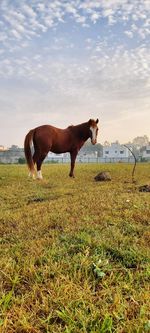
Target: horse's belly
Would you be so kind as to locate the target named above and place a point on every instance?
(59, 149)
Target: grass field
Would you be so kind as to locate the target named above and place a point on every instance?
(74, 253)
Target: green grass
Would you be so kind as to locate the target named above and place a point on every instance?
(74, 253)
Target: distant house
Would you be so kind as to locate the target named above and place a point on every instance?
(15, 148)
(2, 148)
(57, 158)
(116, 152)
(65, 157)
(11, 155)
(146, 152)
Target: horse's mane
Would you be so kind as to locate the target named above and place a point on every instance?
(77, 126)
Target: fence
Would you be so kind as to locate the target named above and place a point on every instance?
(85, 159)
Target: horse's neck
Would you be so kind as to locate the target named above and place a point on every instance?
(82, 131)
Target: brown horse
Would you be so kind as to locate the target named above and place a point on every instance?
(49, 138)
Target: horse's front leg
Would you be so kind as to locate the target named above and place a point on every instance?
(73, 156)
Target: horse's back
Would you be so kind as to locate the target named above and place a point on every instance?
(51, 138)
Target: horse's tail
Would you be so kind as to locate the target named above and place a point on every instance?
(27, 150)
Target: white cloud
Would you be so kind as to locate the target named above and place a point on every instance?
(107, 12)
(94, 17)
(29, 11)
(80, 19)
(129, 33)
(59, 71)
(41, 7)
(28, 19)
(49, 22)
(16, 34)
(70, 8)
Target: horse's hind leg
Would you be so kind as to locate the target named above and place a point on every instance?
(39, 163)
(36, 160)
(35, 157)
(31, 172)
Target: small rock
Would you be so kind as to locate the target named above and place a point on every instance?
(144, 188)
(103, 176)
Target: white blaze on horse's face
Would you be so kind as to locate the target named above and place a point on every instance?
(94, 131)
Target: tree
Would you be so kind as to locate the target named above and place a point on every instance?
(21, 160)
(140, 141)
(88, 148)
(106, 143)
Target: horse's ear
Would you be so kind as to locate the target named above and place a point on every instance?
(97, 120)
(90, 122)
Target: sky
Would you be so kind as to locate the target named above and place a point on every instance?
(64, 62)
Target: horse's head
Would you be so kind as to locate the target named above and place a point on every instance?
(93, 130)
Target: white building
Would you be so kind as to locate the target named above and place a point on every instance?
(146, 152)
(111, 153)
(65, 158)
(58, 158)
(117, 152)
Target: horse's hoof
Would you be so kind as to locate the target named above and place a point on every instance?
(31, 175)
(39, 175)
(71, 176)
